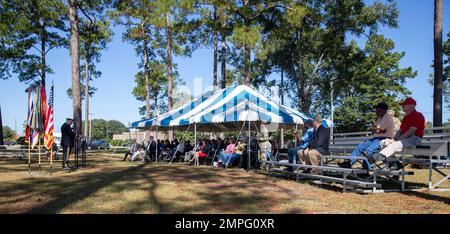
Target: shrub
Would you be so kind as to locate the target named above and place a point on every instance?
(116, 143)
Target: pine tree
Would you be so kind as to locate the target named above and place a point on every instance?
(438, 67)
(33, 28)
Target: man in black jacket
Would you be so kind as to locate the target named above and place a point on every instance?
(150, 149)
(318, 145)
(67, 141)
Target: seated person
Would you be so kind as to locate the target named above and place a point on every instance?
(167, 146)
(139, 154)
(215, 144)
(187, 147)
(131, 149)
(221, 144)
(303, 142)
(160, 145)
(226, 155)
(250, 151)
(265, 152)
(175, 143)
(318, 145)
(274, 145)
(189, 155)
(410, 134)
(239, 147)
(203, 153)
(384, 127)
(177, 151)
(150, 149)
(268, 150)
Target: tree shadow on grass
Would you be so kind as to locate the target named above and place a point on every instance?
(218, 190)
(429, 196)
(210, 192)
(72, 191)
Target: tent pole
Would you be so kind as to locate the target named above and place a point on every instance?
(296, 130)
(195, 134)
(248, 147)
(39, 148)
(156, 142)
(29, 156)
(51, 160)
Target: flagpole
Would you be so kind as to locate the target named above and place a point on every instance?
(39, 154)
(51, 160)
(29, 156)
(52, 111)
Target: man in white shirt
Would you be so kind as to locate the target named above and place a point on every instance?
(383, 128)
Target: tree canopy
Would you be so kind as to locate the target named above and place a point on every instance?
(331, 52)
(104, 129)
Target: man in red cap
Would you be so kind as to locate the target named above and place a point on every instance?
(410, 133)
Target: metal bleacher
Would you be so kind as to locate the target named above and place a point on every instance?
(432, 153)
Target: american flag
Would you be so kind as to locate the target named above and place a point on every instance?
(48, 134)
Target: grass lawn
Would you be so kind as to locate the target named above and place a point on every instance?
(109, 185)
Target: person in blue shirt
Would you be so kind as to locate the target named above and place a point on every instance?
(303, 142)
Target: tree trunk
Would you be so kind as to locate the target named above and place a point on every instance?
(303, 91)
(438, 69)
(215, 42)
(147, 87)
(169, 67)
(223, 69)
(305, 101)
(223, 48)
(1, 129)
(301, 95)
(282, 88)
(43, 70)
(282, 103)
(75, 57)
(247, 72)
(156, 102)
(86, 94)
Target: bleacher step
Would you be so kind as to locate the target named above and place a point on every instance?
(341, 180)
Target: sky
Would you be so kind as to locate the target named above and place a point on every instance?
(114, 99)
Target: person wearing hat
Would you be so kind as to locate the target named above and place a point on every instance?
(303, 142)
(410, 133)
(383, 128)
(67, 141)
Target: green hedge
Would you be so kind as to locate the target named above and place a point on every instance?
(116, 143)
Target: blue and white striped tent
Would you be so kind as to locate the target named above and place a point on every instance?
(230, 105)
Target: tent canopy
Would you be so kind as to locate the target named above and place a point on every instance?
(227, 107)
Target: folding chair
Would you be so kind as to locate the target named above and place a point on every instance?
(209, 156)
